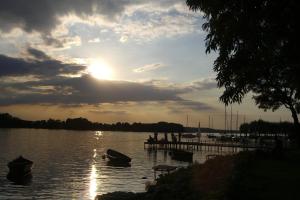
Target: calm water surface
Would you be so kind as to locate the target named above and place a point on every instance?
(69, 164)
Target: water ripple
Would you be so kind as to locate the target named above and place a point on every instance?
(69, 164)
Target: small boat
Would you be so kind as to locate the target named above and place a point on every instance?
(20, 170)
(189, 135)
(117, 157)
(118, 164)
(163, 169)
(182, 155)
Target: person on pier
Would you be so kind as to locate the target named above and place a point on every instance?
(179, 136)
(150, 139)
(174, 139)
(155, 136)
(166, 137)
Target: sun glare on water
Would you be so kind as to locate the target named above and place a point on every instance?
(100, 69)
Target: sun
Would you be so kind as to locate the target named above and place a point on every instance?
(99, 69)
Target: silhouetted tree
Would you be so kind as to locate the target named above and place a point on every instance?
(263, 127)
(79, 123)
(258, 46)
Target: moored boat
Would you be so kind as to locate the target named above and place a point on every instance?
(117, 157)
(118, 164)
(182, 155)
(189, 135)
(20, 170)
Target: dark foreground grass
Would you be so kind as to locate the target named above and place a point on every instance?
(259, 175)
(248, 175)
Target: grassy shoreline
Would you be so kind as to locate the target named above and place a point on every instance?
(245, 176)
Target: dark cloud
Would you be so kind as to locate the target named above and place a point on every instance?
(37, 54)
(87, 90)
(83, 90)
(184, 106)
(204, 84)
(109, 112)
(50, 41)
(43, 15)
(38, 64)
(53, 88)
(194, 105)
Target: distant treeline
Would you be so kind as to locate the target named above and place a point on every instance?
(263, 127)
(8, 121)
(254, 127)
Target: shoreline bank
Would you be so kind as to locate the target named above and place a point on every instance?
(245, 176)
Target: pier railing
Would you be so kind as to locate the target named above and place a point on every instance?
(204, 145)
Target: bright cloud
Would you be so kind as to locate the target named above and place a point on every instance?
(51, 23)
(149, 67)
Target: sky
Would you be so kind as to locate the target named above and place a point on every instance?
(110, 61)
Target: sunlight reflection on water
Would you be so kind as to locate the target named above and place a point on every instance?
(69, 164)
(98, 134)
(93, 182)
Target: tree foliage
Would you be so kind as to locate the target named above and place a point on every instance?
(257, 42)
(264, 127)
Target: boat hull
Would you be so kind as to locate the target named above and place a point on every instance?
(20, 170)
(118, 164)
(21, 179)
(117, 157)
(182, 155)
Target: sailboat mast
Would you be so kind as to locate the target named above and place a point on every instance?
(199, 132)
(225, 120)
(237, 120)
(187, 120)
(230, 118)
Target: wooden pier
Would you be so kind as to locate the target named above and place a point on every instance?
(202, 146)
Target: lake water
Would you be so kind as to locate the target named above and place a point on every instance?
(69, 165)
